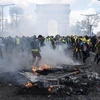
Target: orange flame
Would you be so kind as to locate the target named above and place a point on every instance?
(41, 68)
(50, 88)
(34, 70)
(47, 67)
(28, 85)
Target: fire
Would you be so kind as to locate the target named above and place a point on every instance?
(28, 85)
(34, 70)
(41, 68)
(50, 88)
(47, 67)
(44, 66)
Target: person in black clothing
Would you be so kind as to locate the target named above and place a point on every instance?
(78, 49)
(1, 47)
(41, 40)
(84, 48)
(98, 60)
(35, 49)
(97, 56)
(93, 41)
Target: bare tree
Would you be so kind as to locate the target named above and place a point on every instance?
(90, 22)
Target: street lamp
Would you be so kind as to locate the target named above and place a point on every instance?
(2, 6)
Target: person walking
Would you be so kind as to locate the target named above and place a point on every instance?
(97, 58)
(84, 48)
(35, 49)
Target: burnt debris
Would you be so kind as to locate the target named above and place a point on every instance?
(62, 79)
(65, 79)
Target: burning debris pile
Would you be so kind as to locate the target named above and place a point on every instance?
(63, 79)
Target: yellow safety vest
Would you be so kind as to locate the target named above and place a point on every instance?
(76, 49)
(88, 41)
(17, 41)
(35, 50)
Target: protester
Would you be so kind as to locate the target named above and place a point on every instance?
(81, 46)
(35, 48)
(78, 49)
(94, 41)
(1, 47)
(97, 58)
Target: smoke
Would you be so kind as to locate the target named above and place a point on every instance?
(54, 1)
(53, 57)
(15, 62)
(28, 24)
(26, 2)
(21, 21)
(23, 60)
(26, 27)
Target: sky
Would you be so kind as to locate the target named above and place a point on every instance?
(77, 7)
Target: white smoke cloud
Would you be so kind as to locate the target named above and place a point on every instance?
(22, 61)
(27, 26)
(93, 2)
(15, 62)
(26, 2)
(56, 56)
(29, 10)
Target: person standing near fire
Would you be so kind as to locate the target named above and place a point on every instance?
(35, 49)
(17, 43)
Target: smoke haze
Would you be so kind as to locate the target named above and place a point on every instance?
(26, 2)
(27, 27)
(58, 56)
(50, 57)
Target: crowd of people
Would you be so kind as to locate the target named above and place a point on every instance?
(81, 45)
